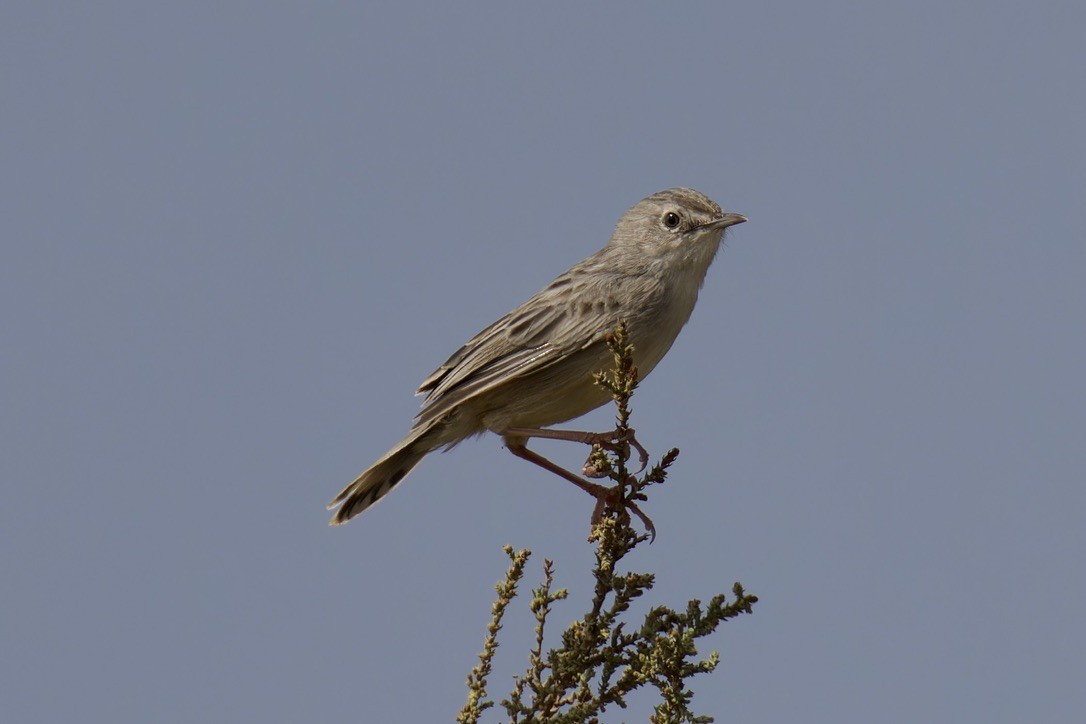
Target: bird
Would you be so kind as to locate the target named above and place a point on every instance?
(533, 368)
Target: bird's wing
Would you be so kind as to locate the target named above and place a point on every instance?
(532, 337)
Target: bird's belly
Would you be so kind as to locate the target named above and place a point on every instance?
(559, 393)
(565, 390)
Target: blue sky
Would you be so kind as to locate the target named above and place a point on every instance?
(237, 236)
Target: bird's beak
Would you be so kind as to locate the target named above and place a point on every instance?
(725, 221)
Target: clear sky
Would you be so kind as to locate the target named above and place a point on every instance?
(236, 236)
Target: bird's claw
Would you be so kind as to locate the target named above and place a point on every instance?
(597, 465)
(642, 453)
(612, 498)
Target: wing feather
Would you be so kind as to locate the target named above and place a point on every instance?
(535, 335)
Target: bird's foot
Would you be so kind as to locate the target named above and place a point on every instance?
(614, 499)
(617, 442)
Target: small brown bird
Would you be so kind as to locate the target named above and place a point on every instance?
(534, 366)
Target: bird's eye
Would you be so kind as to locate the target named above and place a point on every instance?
(671, 219)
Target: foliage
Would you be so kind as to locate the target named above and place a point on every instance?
(601, 658)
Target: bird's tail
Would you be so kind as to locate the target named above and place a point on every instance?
(381, 477)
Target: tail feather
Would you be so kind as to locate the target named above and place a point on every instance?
(376, 482)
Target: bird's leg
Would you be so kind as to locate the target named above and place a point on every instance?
(516, 442)
(607, 440)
